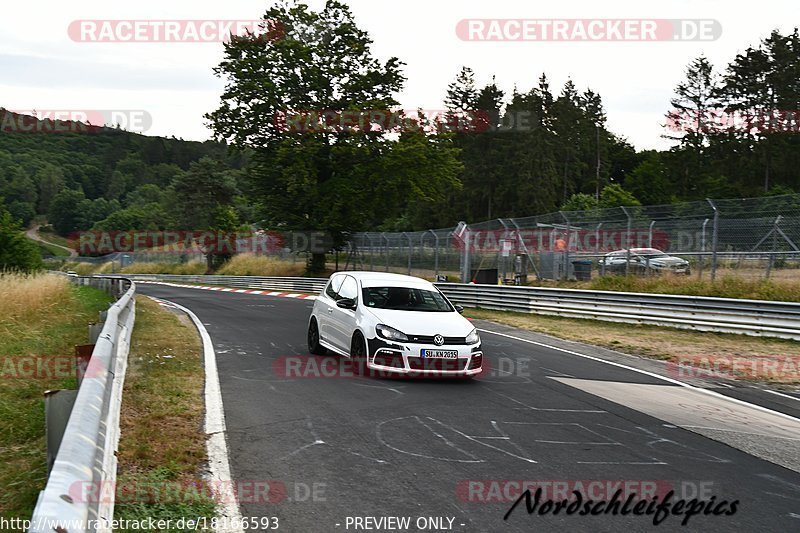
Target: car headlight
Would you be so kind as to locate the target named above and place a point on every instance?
(390, 333)
(473, 338)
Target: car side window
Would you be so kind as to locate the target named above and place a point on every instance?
(333, 286)
(349, 288)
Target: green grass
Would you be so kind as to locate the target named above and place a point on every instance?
(50, 250)
(162, 445)
(48, 328)
(53, 237)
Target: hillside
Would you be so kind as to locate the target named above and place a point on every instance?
(41, 159)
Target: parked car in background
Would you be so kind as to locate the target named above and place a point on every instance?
(642, 261)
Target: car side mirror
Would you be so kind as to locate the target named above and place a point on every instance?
(346, 303)
(459, 309)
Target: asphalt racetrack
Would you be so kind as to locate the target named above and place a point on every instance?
(346, 453)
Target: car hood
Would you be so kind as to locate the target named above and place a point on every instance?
(424, 323)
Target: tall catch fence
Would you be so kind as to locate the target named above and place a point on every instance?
(748, 237)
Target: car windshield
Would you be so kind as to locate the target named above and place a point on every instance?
(405, 299)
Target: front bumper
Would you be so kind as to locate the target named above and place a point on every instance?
(405, 359)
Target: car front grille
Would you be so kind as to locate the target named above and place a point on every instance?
(428, 339)
(426, 363)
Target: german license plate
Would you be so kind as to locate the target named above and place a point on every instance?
(439, 354)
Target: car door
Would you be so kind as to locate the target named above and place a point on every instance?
(343, 321)
(327, 303)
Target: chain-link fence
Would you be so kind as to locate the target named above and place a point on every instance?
(748, 237)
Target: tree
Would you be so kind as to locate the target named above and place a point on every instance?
(203, 201)
(17, 252)
(65, 215)
(580, 202)
(313, 180)
(199, 192)
(614, 195)
(649, 182)
(691, 119)
(760, 85)
(461, 93)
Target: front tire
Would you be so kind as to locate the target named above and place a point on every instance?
(358, 354)
(313, 339)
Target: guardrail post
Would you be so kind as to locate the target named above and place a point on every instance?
(775, 230)
(597, 237)
(702, 250)
(435, 253)
(57, 408)
(386, 249)
(627, 242)
(714, 240)
(566, 249)
(465, 259)
(371, 253)
(521, 243)
(408, 237)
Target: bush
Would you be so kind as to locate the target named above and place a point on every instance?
(17, 252)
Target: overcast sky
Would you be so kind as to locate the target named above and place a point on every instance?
(42, 68)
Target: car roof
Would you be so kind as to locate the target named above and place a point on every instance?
(637, 251)
(377, 279)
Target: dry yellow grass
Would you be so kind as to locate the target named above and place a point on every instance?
(738, 356)
(260, 265)
(190, 268)
(84, 269)
(728, 285)
(24, 296)
(42, 318)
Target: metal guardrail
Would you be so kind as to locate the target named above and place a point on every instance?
(86, 462)
(727, 315)
(307, 285)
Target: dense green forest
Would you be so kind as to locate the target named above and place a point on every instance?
(82, 178)
(257, 173)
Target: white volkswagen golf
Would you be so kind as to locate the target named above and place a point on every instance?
(394, 324)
